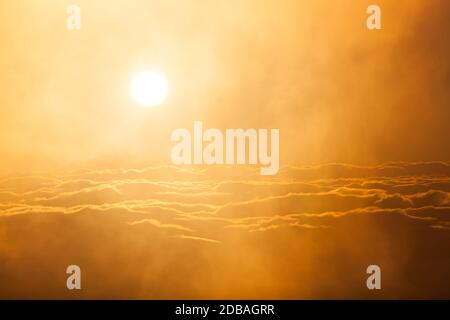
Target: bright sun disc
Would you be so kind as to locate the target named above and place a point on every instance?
(149, 88)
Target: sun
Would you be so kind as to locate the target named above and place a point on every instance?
(149, 88)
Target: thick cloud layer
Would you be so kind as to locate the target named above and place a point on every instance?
(167, 232)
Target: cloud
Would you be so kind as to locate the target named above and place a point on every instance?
(276, 234)
(158, 224)
(197, 239)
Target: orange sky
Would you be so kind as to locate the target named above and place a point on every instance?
(337, 91)
(86, 175)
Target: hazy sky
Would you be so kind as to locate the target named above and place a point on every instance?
(337, 91)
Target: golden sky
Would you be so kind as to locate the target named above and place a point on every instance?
(337, 91)
(86, 175)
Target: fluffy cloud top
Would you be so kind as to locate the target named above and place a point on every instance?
(165, 232)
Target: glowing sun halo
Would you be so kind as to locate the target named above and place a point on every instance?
(149, 88)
